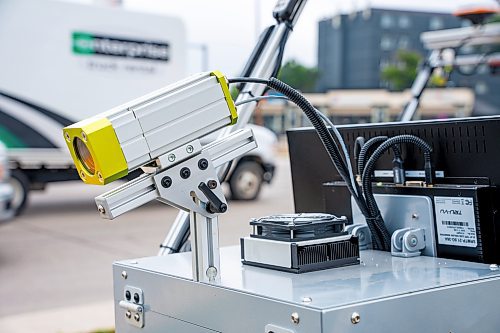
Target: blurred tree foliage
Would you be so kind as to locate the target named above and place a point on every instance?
(402, 74)
(299, 76)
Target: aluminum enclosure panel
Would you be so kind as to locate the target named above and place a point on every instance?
(420, 294)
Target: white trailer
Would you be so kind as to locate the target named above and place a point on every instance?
(63, 62)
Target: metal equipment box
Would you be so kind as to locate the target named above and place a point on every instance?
(382, 294)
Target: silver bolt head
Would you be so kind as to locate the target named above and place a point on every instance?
(128, 314)
(124, 275)
(494, 267)
(189, 149)
(307, 299)
(101, 209)
(413, 241)
(414, 216)
(171, 157)
(295, 318)
(355, 318)
(211, 273)
(137, 317)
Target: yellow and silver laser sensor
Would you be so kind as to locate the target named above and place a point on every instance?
(108, 146)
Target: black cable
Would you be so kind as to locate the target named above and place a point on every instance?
(367, 179)
(370, 145)
(247, 80)
(327, 140)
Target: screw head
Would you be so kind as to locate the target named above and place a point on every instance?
(185, 173)
(101, 209)
(128, 314)
(66, 135)
(413, 241)
(212, 184)
(166, 182)
(203, 164)
(84, 136)
(355, 318)
(171, 158)
(99, 175)
(189, 149)
(494, 267)
(295, 318)
(137, 317)
(414, 216)
(307, 299)
(124, 275)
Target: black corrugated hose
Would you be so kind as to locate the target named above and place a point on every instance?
(367, 179)
(370, 144)
(328, 142)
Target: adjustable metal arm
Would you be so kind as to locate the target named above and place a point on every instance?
(437, 41)
(263, 64)
(186, 178)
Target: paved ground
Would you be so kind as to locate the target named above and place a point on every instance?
(55, 260)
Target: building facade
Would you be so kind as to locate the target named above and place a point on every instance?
(354, 48)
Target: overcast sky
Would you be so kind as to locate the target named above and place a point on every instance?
(229, 27)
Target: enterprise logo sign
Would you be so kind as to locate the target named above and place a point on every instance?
(90, 44)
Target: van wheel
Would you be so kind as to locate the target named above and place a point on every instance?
(246, 181)
(21, 186)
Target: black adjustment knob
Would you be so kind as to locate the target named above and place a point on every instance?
(215, 205)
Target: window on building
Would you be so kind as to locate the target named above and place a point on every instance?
(481, 88)
(387, 43)
(336, 21)
(436, 23)
(404, 42)
(386, 21)
(404, 21)
(384, 63)
(367, 13)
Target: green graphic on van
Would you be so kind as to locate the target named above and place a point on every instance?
(84, 43)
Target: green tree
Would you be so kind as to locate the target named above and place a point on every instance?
(299, 76)
(402, 74)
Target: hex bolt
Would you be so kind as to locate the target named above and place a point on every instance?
(124, 275)
(189, 149)
(128, 314)
(101, 209)
(203, 164)
(127, 295)
(295, 318)
(137, 317)
(166, 182)
(212, 184)
(355, 318)
(171, 158)
(136, 298)
(185, 173)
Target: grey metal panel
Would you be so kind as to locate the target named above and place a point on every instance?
(379, 275)
(390, 294)
(474, 307)
(404, 211)
(158, 323)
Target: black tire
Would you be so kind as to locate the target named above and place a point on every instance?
(246, 181)
(21, 185)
